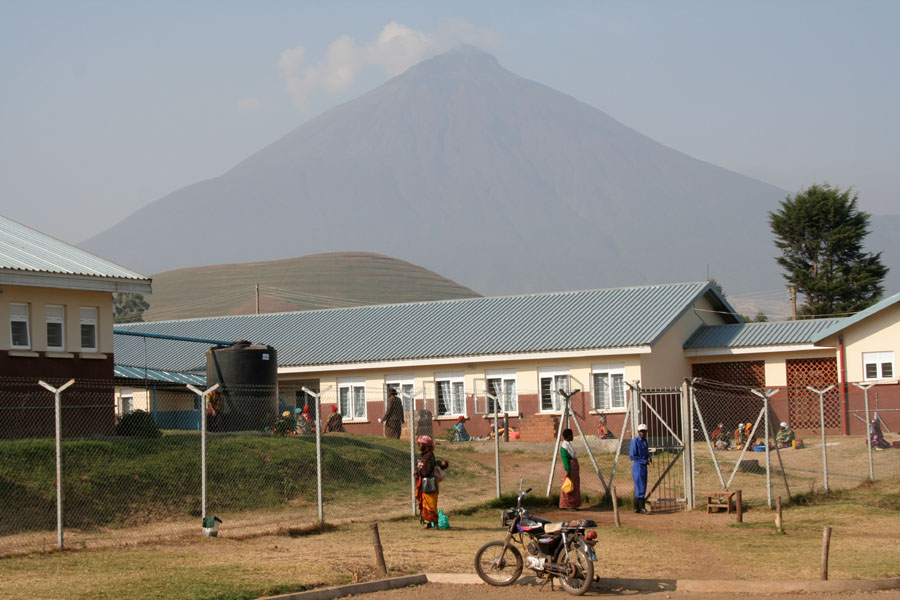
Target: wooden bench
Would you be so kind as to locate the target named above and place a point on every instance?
(716, 501)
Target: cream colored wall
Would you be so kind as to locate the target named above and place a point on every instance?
(38, 298)
(526, 375)
(878, 333)
(667, 365)
(166, 400)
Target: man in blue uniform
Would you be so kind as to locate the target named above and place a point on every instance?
(640, 456)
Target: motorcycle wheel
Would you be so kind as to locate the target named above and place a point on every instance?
(584, 569)
(498, 572)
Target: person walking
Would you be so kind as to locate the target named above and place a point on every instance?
(393, 417)
(640, 457)
(569, 493)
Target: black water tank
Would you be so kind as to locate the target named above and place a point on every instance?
(247, 375)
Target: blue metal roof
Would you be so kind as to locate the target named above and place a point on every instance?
(845, 323)
(560, 321)
(25, 249)
(748, 335)
(158, 375)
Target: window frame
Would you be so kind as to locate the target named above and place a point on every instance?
(83, 321)
(552, 372)
(610, 370)
(878, 360)
(126, 397)
(505, 376)
(352, 385)
(61, 320)
(454, 379)
(27, 321)
(400, 383)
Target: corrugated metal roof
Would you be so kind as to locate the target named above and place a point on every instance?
(158, 375)
(844, 323)
(25, 249)
(746, 335)
(593, 319)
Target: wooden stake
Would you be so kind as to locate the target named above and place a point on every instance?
(379, 551)
(615, 502)
(826, 542)
(779, 521)
(739, 505)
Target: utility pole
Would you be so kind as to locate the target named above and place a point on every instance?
(793, 292)
(257, 298)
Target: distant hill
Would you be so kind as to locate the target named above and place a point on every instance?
(317, 281)
(500, 183)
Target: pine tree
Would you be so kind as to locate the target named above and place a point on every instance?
(820, 233)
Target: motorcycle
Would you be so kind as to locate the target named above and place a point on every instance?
(563, 550)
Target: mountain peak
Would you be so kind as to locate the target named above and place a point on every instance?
(462, 58)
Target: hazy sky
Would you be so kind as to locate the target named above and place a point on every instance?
(107, 106)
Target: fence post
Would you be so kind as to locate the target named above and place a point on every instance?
(497, 438)
(317, 396)
(765, 395)
(57, 412)
(821, 395)
(204, 398)
(412, 447)
(865, 389)
(687, 433)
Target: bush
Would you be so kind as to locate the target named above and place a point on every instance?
(138, 424)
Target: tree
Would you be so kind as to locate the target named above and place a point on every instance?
(760, 317)
(129, 307)
(820, 234)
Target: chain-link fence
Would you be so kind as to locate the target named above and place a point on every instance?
(771, 442)
(283, 458)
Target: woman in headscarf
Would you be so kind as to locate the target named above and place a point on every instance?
(876, 437)
(572, 498)
(335, 421)
(426, 480)
(460, 433)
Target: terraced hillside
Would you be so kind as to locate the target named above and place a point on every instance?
(329, 280)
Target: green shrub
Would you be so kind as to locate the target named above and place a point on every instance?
(138, 424)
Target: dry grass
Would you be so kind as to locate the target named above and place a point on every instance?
(681, 545)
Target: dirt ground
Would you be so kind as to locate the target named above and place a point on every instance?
(436, 591)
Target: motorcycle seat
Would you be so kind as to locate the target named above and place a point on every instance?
(573, 524)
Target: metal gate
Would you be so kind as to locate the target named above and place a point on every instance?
(663, 412)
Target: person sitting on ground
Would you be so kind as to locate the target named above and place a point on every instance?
(876, 437)
(785, 436)
(460, 433)
(335, 422)
(603, 431)
(305, 424)
(740, 437)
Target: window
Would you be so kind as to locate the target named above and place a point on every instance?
(18, 326)
(553, 380)
(609, 387)
(352, 398)
(450, 392)
(89, 328)
(878, 365)
(56, 327)
(404, 384)
(502, 384)
(126, 405)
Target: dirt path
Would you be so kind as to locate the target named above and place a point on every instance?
(435, 591)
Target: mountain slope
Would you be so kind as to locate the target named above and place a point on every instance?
(467, 169)
(309, 282)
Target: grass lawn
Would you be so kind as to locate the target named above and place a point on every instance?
(679, 545)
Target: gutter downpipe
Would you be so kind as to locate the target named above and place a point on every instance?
(845, 406)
